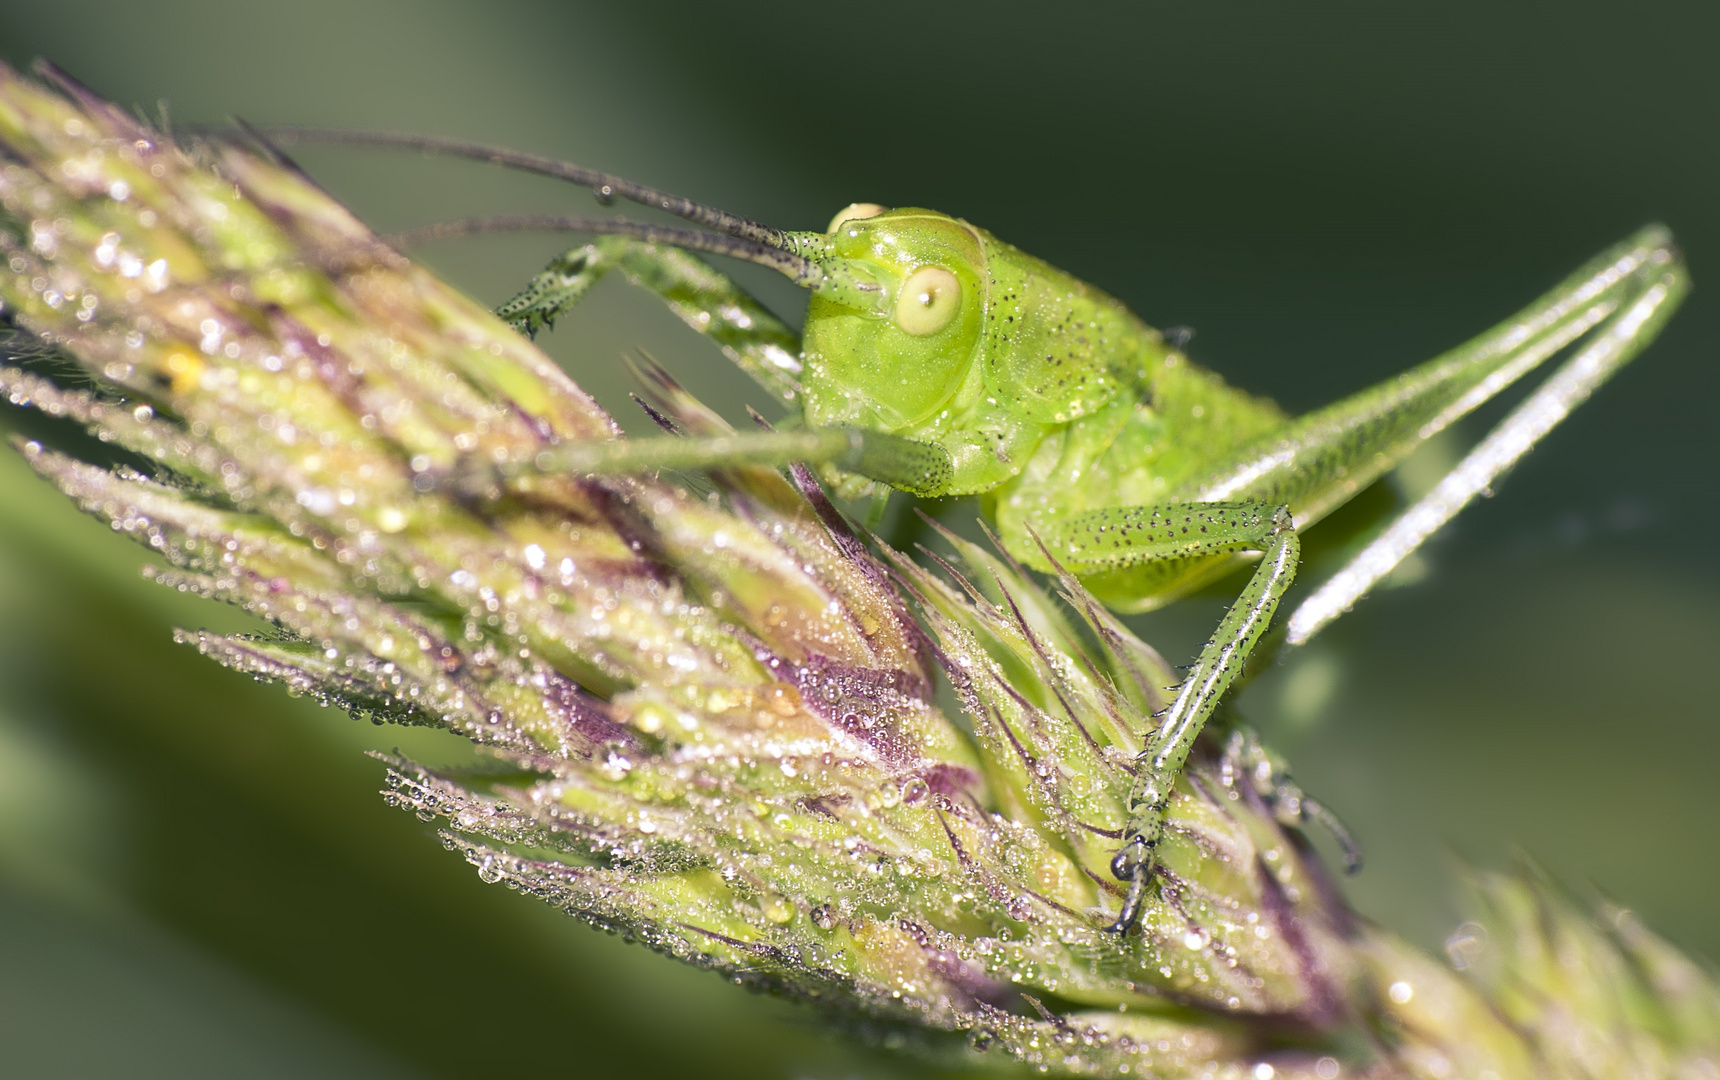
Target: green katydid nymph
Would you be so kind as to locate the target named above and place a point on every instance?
(938, 360)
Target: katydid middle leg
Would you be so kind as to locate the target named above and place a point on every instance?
(1119, 536)
(904, 464)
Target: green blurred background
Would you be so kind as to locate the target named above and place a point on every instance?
(196, 875)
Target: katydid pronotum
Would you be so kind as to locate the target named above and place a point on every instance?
(938, 360)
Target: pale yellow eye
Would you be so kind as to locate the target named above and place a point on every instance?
(854, 212)
(928, 301)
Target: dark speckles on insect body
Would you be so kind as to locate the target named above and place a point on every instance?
(1069, 381)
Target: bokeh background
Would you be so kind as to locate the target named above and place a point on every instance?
(197, 877)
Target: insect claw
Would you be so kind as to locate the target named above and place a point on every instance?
(1127, 862)
(1130, 912)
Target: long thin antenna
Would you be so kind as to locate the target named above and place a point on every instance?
(801, 270)
(605, 186)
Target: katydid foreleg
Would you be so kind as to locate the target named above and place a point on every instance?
(745, 330)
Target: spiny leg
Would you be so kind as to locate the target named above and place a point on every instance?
(1318, 461)
(1623, 336)
(920, 468)
(746, 331)
(1116, 537)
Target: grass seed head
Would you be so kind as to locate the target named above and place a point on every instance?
(710, 714)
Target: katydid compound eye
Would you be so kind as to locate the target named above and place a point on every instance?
(928, 301)
(859, 211)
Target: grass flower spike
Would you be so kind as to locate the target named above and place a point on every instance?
(709, 709)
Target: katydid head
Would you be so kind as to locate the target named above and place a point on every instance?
(891, 354)
(895, 321)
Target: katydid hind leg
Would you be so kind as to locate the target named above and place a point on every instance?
(1317, 462)
(709, 302)
(1624, 334)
